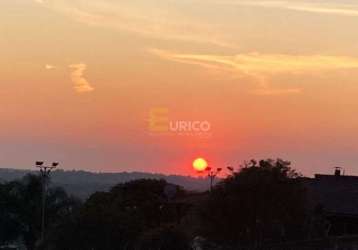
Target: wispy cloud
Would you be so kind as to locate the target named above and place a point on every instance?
(261, 67)
(81, 84)
(49, 66)
(264, 63)
(306, 6)
(160, 21)
(183, 20)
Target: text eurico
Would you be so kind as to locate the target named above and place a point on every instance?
(159, 122)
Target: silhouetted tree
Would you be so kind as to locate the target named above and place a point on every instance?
(263, 201)
(117, 219)
(20, 206)
(10, 225)
(166, 238)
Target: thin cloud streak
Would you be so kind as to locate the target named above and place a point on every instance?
(166, 21)
(269, 91)
(159, 22)
(264, 66)
(319, 8)
(81, 85)
(265, 89)
(264, 63)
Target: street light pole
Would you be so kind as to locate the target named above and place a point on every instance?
(212, 174)
(45, 175)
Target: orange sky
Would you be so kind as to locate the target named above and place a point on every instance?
(273, 78)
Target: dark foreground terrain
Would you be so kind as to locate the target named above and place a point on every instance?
(265, 205)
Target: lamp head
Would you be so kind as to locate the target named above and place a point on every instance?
(230, 168)
(39, 163)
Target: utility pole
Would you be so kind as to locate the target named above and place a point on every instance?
(212, 174)
(45, 176)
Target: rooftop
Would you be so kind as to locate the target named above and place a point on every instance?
(337, 193)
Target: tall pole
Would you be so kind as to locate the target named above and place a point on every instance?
(43, 207)
(45, 175)
(212, 177)
(212, 174)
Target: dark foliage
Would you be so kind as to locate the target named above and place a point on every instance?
(265, 201)
(20, 207)
(118, 218)
(166, 238)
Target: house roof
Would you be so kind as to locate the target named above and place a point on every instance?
(337, 194)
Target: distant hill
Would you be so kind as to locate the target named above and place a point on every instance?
(83, 183)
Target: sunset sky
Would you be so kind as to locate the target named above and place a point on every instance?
(79, 79)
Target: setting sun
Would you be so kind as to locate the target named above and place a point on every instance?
(200, 164)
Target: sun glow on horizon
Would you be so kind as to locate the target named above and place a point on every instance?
(200, 164)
